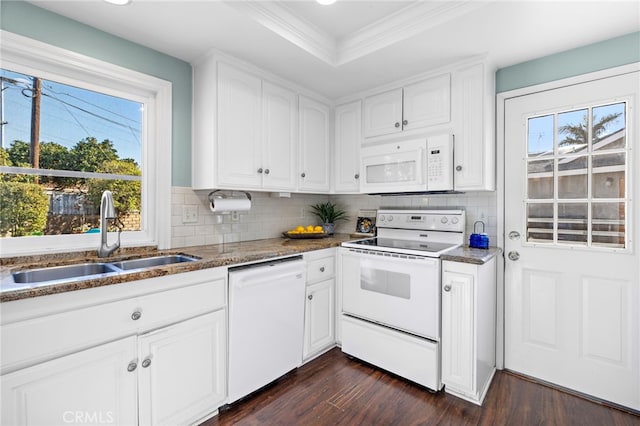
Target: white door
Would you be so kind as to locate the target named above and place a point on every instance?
(427, 103)
(183, 370)
(279, 147)
(383, 113)
(572, 297)
(319, 317)
(239, 138)
(314, 145)
(95, 386)
(346, 155)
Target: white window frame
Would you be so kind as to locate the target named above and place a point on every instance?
(28, 56)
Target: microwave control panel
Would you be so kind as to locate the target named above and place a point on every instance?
(440, 163)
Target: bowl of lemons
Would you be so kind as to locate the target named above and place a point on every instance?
(308, 231)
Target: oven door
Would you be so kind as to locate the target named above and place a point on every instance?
(399, 292)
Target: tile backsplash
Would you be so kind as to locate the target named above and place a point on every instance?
(270, 215)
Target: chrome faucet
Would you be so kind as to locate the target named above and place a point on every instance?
(107, 211)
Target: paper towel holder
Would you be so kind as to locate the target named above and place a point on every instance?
(226, 194)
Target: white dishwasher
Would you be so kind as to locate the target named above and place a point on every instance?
(266, 323)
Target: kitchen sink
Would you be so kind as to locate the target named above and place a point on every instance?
(68, 272)
(149, 262)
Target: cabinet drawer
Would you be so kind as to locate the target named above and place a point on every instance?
(321, 269)
(38, 339)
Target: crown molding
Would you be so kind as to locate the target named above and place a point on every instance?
(282, 21)
(401, 25)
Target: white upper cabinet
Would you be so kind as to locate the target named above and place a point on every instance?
(279, 145)
(473, 103)
(416, 106)
(245, 130)
(427, 103)
(239, 131)
(346, 153)
(313, 163)
(383, 113)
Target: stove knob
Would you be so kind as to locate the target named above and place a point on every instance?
(444, 219)
(454, 220)
(390, 218)
(382, 218)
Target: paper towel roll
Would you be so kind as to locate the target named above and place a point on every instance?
(229, 204)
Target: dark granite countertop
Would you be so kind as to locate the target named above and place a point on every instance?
(211, 256)
(475, 256)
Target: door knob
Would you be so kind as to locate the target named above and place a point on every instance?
(514, 255)
(514, 235)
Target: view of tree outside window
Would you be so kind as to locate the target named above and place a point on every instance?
(61, 147)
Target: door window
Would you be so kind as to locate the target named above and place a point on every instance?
(576, 177)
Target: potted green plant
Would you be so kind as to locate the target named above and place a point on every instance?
(329, 214)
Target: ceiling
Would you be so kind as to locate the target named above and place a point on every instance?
(354, 45)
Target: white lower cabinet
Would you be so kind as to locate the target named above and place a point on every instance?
(93, 386)
(320, 306)
(180, 370)
(319, 317)
(159, 356)
(468, 328)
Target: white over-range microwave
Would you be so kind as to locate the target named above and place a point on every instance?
(409, 165)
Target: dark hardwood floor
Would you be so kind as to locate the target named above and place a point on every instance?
(336, 390)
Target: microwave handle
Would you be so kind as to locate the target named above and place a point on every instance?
(419, 165)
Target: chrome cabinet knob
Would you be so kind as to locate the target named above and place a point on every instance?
(458, 168)
(146, 363)
(266, 171)
(356, 176)
(303, 174)
(310, 297)
(447, 287)
(136, 315)
(405, 122)
(322, 269)
(260, 170)
(397, 124)
(513, 255)
(132, 366)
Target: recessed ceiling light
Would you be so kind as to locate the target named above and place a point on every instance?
(118, 2)
(326, 2)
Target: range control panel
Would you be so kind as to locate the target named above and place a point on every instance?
(435, 220)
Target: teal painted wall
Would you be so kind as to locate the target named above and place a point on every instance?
(610, 53)
(39, 24)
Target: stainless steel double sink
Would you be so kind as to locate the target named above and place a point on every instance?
(83, 271)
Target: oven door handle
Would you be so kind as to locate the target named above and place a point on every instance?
(380, 256)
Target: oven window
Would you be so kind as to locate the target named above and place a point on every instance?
(389, 283)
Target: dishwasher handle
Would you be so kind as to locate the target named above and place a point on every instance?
(261, 274)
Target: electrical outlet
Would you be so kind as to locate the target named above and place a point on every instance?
(235, 216)
(189, 214)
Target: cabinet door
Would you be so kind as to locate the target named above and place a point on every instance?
(474, 152)
(279, 117)
(314, 145)
(183, 370)
(348, 136)
(319, 318)
(89, 387)
(383, 113)
(239, 139)
(458, 331)
(427, 103)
